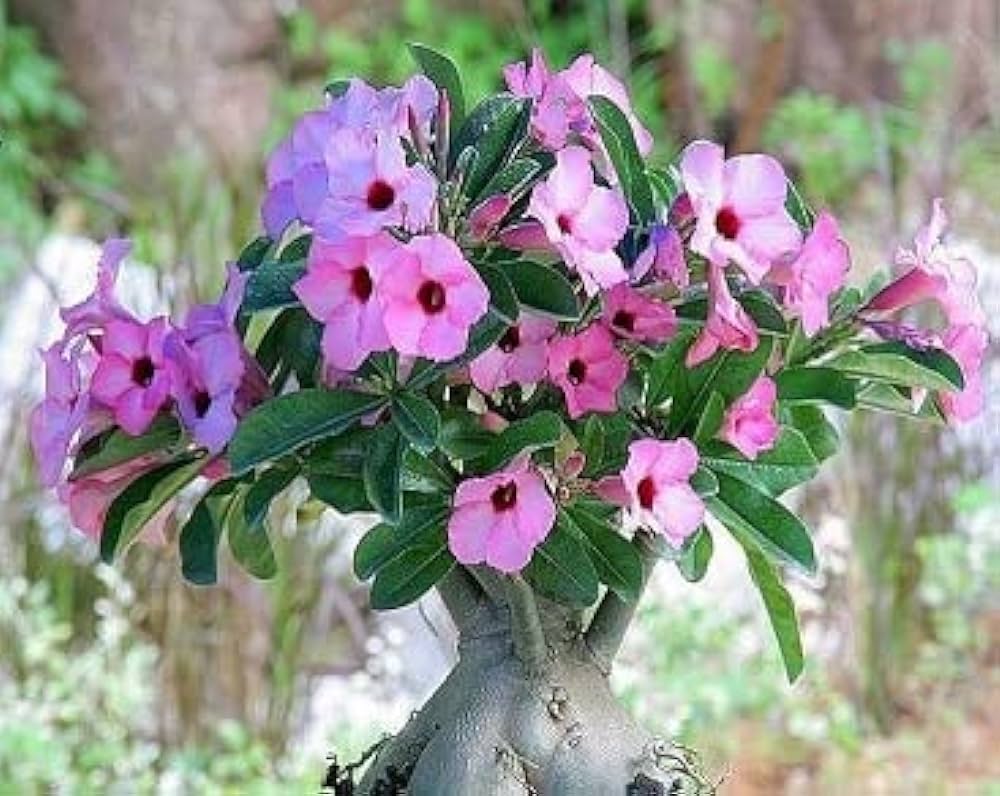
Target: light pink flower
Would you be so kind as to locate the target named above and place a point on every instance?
(430, 296)
(817, 272)
(739, 205)
(749, 424)
(727, 326)
(582, 220)
(56, 420)
(932, 271)
(371, 187)
(131, 378)
(589, 370)
(657, 481)
(635, 316)
(101, 306)
(664, 256)
(967, 345)
(519, 357)
(486, 217)
(338, 290)
(501, 519)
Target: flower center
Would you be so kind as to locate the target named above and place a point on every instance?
(577, 371)
(202, 403)
(727, 223)
(431, 296)
(143, 371)
(565, 223)
(361, 284)
(504, 497)
(647, 492)
(381, 195)
(511, 340)
(624, 320)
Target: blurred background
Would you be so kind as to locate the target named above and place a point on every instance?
(153, 119)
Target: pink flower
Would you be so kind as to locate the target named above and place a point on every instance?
(519, 357)
(657, 481)
(635, 316)
(967, 345)
(132, 379)
(501, 519)
(749, 424)
(727, 326)
(817, 272)
(581, 219)
(430, 297)
(56, 420)
(486, 217)
(664, 256)
(589, 369)
(338, 290)
(100, 306)
(739, 205)
(371, 187)
(933, 272)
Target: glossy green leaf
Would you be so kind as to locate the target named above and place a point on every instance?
(747, 509)
(346, 495)
(410, 575)
(297, 250)
(711, 418)
(141, 500)
(463, 436)
(818, 431)
(286, 423)
(491, 131)
(592, 439)
(250, 544)
(561, 570)
(666, 366)
(695, 556)
(117, 447)
(540, 430)
(704, 482)
(616, 134)
(420, 526)
(798, 209)
(514, 179)
(258, 497)
(543, 289)
(780, 612)
(666, 184)
(790, 462)
(383, 472)
(816, 385)
(503, 300)
(897, 364)
(613, 556)
(270, 285)
(198, 542)
(254, 253)
(444, 74)
(418, 420)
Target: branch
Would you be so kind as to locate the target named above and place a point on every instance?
(614, 615)
(462, 596)
(526, 625)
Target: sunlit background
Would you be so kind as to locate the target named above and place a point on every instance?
(153, 119)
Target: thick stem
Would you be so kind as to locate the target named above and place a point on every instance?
(464, 599)
(526, 625)
(611, 621)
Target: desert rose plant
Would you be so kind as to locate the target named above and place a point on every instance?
(545, 363)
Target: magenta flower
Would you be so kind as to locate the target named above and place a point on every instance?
(933, 272)
(501, 519)
(739, 205)
(59, 416)
(657, 481)
(582, 220)
(636, 316)
(749, 424)
(339, 291)
(519, 357)
(727, 326)
(132, 378)
(430, 297)
(817, 272)
(664, 256)
(967, 345)
(371, 187)
(589, 370)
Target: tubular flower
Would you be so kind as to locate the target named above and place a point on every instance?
(749, 424)
(519, 357)
(635, 316)
(657, 481)
(589, 370)
(728, 326)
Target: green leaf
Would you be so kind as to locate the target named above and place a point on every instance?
(818, 432)
(711, 419)
(761, 308)
(695, 555)
(899, 401)
(615, 559)
(816, 385)
(543, 289)
(410, 575)
(616, 133)
(514, 179)
(254, 253)
(297, 250)
(666, 183)
(592, 438)
(419, 526)
(463, 436)
(417, 419)
(270, 285)
(258, 497)
(249, 544)
(444, 74)
(383, 472)
(502, 297)
(898, 364)
(666, 366)
(286, 423)
(789, 463)
(119, 447)
(199, 538)
(780, 611)
(748, 510)
(704, 482)
(491, 131)
(798, 209)
(540, 430)
(561, 570)
(140, 501)
(346, 495)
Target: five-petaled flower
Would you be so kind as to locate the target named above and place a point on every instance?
(657, 482)
(518, 357)
(636, 316)
(589, 370)
(749, 424)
